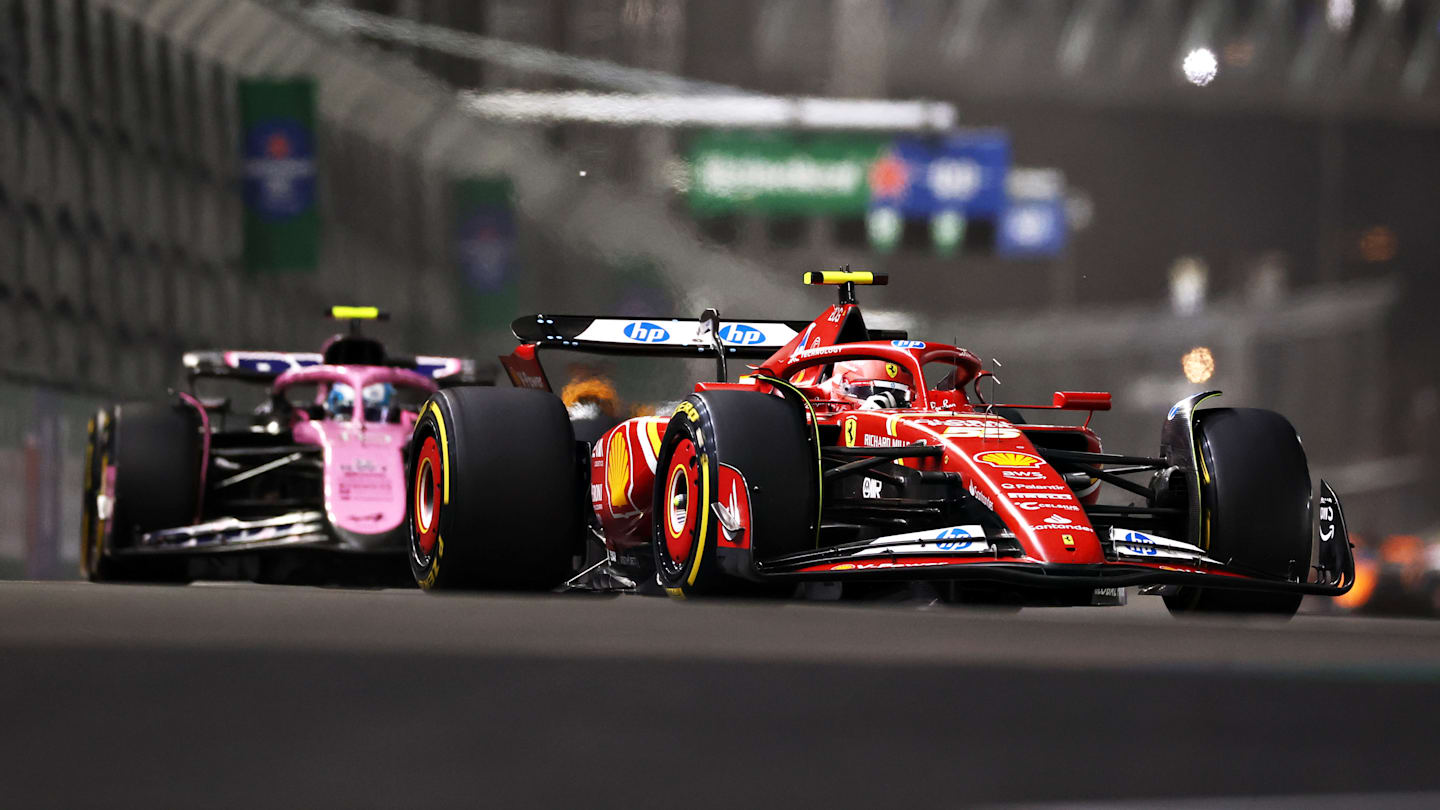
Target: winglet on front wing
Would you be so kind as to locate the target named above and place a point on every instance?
(1335, 559)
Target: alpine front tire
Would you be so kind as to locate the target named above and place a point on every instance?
(494, 502)
(142, 473)
(1256, 498)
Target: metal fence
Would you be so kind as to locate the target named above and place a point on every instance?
(120, 219)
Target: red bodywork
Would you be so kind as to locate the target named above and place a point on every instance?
(1034, 529)
(998, 462)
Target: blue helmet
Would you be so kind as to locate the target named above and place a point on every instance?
(340, 402)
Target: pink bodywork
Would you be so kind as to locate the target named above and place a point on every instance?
(364, 461)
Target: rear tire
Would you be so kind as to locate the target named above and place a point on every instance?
(494, 501)
(155, 450)
(765, 439)
(1256, 500)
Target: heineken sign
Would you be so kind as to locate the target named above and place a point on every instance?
(781, 175)
(848, 176)
(282, 217)
(485, 246)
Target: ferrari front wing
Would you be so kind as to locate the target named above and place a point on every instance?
(999, 560)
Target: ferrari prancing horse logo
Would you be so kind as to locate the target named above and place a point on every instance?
(892, 369)
(850, 432)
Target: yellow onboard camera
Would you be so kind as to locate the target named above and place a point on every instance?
(846, 277)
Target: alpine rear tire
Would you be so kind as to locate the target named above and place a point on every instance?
(493, 497)
(763, 442)
(1256, 502)
(142, 473)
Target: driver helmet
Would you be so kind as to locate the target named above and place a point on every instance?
(340, 402)
(378, 395)
(871, 384)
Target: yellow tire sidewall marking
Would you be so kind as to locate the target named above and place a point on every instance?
(444, 448)
(699, 553)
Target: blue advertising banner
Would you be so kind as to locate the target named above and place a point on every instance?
(282, 219)
(486, 253)
(1032, 229)
(963, 172)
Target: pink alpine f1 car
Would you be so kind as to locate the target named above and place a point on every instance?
(307, 486)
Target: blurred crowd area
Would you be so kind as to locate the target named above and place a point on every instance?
(1248, 177)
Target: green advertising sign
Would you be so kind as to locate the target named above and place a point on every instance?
(282, 219)
(781, 174)
(485, 251)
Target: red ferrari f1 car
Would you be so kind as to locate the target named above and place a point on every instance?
(862, 458)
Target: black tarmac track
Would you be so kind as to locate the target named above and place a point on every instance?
(240, 696)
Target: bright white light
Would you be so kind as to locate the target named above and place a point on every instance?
(758, 112)
(1200, 66)
(1339, 13)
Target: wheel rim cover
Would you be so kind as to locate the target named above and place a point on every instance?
(426, 509)
(681, 503)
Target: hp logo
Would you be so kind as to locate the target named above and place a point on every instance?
(740, 334)
(645, 332)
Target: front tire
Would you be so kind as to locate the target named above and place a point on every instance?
(764, 439)
(493, 494)
(1256, 504)
(142, 462)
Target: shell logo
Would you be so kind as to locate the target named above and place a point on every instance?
(1009, 458)
(843, 567)
(618, 469)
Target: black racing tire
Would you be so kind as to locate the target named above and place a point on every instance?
(766, 439)
(92, 533)
(494, 499)
(1256, 500)
(155, 449)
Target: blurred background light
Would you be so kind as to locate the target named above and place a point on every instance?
(1200, 66)
(1378, 244)
(1198, 364)
(748, 111)
(1339, 14)
(1239, 54)
(1189, 281)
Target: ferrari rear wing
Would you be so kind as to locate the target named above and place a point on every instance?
(655, 337)
(704, 337)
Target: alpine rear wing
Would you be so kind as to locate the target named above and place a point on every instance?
(264, 367)
(703, 337)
